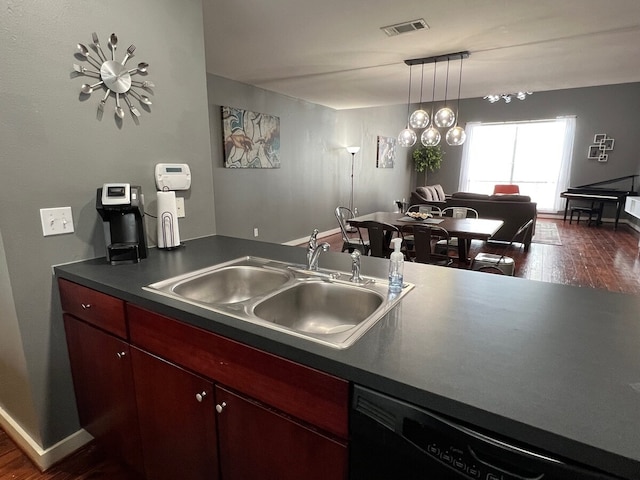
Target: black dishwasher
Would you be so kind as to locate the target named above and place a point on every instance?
(393, 440)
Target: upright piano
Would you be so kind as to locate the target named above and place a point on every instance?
(597, 194)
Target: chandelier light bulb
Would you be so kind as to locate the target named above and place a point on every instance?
(430, 137)
(419, 119)
(407, 138)
(456, 136)
(444, 117)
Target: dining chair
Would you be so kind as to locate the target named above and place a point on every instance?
(455, 212)
(350, 243)
(380, 235)
(501, 264)
(426, 237)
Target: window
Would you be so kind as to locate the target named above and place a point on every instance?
(534, 155)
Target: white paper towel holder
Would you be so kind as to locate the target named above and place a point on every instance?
(168, 230)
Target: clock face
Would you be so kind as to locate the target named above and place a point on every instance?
(114, 77)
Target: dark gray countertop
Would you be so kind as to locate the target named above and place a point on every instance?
(551, 366)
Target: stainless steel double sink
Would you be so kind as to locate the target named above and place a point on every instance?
(322, 306)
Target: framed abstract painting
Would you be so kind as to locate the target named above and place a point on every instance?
(386, 152)
(250, 139)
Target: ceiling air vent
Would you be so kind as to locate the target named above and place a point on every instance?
(405, 27)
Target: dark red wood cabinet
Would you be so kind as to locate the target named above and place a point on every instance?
(101, 370)
(256, 442)
(177, 420)
(176, 401)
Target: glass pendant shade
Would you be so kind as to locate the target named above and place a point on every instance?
(419, 119)
(430, 137)
(407, 138)
(456, 136)
(444, 117)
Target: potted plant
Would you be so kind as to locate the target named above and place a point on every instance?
(428, 158)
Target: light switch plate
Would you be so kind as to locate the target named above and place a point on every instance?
(180, 207)
(56, 221)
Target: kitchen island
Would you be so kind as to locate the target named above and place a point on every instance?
(553, 367)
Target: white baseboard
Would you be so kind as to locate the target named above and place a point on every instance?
(42, 458)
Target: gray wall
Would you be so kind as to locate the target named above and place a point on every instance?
(611, 109)
(315, 174)
(56, 153)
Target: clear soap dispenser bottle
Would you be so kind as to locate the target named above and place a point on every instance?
(396, 267)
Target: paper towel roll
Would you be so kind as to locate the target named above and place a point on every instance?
(168, 233)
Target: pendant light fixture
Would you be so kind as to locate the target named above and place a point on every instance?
(419, 118)
(407, 137)
(456, 135)
(431, 136)
(443, 118)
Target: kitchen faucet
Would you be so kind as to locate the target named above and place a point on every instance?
(355, 267)
(314, 250)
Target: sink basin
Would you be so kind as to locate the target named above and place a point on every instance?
(320, 306)
(231, 284)
(225, 284)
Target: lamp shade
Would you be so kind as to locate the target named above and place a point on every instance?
(419, 119)
(407, 138)
(430, 137)
(456, 136)
(353, 150)
(444, 117)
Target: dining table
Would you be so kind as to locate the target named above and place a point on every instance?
(466, 229)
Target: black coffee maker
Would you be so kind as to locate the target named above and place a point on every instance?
(121, 207)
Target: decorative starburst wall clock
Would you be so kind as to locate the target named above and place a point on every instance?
(114, 77)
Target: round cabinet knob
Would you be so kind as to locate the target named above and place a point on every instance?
(85, 306)
(220, 407)
(121, 354)
(200, 396)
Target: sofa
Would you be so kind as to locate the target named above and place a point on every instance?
(514, 210)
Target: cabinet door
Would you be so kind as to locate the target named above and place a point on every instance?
(177, 420)
(256, 442)
(101, 369)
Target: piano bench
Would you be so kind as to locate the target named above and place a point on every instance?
(583, 210)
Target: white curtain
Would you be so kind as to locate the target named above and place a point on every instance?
(567, 155)
(463, 184)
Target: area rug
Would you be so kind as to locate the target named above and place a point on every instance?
(547, 233)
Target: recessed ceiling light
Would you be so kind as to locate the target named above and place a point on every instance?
(405, 27)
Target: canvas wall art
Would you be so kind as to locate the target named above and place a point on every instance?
(251, 139)
(386, 152)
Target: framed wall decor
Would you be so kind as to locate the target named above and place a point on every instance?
(386, 152)
(250, 139)
(602, 144)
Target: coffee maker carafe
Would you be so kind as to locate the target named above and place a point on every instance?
(121, 207)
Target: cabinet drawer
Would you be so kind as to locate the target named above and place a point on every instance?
(297, 390)
(93, 307)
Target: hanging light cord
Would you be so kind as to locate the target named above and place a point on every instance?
(446, 85)
(459, 85)
(433, 92)
(409, 99)
(421, 84)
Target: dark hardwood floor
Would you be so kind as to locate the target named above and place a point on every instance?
(87, 463)
(592, 257)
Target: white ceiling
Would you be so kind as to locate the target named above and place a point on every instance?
(333, 52)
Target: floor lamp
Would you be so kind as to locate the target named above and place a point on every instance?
(352, 151)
